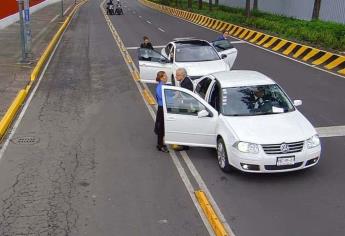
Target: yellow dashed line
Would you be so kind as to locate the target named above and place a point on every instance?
(212, 217)
(148, 97)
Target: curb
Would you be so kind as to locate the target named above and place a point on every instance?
(15, 106)
(313, 56)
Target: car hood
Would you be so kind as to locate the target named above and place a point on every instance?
(204, 67)
(271, 129)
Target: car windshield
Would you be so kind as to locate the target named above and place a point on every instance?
(195, 53)
(255, 100)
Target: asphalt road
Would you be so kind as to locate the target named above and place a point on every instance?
(95, 171)
(310, 202)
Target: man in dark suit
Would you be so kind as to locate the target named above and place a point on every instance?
(183, 79)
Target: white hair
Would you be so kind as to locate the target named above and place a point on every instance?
(184, 71)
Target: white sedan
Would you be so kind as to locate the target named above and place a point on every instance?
(247, 117)
(198, 57)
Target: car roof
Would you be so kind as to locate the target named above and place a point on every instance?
(238, 78)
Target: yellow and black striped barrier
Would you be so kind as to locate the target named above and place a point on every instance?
(325, 60)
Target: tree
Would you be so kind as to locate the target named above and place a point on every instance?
(190, 2)
(316, 10)
(200, 4)
(255, 5)
(248, 8)
(210, 5)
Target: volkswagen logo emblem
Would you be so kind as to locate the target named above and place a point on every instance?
(284, 148)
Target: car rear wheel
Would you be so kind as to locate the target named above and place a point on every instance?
(222, 155)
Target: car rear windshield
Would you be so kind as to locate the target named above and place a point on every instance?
(255, 100)
(195, 53)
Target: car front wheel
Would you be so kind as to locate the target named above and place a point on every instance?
(223, 156)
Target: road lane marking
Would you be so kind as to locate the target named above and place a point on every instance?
(149, 22)
(67, 9)
(237, 41)
(134, 48)
(52, 20)
(140, 16)
(161, 29)
(331, 131)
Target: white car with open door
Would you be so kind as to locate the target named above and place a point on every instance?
(247, 117)
(198, 57)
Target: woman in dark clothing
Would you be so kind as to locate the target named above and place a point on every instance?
(146, 44)
(161, 78)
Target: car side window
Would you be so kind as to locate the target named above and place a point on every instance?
(182, 103)
(146, 54)
(202, 87)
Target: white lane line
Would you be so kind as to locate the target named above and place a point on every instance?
(28, 101)
(67, 9)
(204, 188)
(134, 48)
(172, 153)
(331, 131)
(301, 62)
(149, 22)
(52, 20)
(140, 17)
(161, 29)
(237, 41)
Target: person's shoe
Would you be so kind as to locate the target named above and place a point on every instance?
(164, 149)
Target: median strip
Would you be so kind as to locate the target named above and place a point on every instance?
(324, 60)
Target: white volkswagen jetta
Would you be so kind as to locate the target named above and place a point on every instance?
(247, 117)
(198, 57)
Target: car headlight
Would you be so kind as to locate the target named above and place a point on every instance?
(247, 147)
(313, 141)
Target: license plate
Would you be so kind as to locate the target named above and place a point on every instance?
(285, 161)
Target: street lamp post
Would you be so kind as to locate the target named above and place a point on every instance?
(61, 8)
(27, 28)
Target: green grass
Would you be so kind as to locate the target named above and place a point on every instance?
(321, 34)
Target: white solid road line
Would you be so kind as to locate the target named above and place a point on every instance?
(237, 41)
(67, 9)
(134, 48)
(149, 22)
(52, 20)
(331, 131)
(28, 101)
(161, 29)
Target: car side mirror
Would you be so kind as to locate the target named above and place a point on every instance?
(297, 103)
(224, 56)
(203, 113)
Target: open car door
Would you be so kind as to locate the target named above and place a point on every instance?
(224, 47)
(188, 119)
(150, 62)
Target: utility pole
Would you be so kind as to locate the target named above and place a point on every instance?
(27, 28)
(22, 33)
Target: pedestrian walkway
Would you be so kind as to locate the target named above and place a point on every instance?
(13, 75)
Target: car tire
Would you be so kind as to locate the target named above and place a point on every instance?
(222, 156)
(173, 82)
